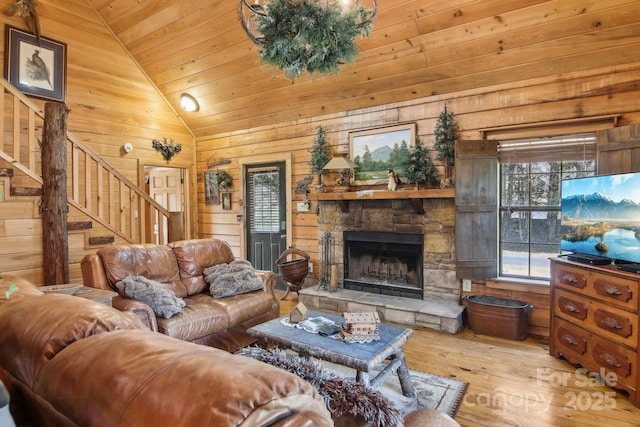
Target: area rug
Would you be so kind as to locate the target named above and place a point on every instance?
(432, 391)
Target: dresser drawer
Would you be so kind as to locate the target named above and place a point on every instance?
(601, 284)
(610, 322)
(594, 352)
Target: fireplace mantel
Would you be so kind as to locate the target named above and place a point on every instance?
(415, 196)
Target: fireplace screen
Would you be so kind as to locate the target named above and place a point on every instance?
(384, 263)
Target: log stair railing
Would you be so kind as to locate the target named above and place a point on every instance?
(94, 187)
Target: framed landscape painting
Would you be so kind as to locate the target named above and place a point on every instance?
(375, 151)
(36, 66)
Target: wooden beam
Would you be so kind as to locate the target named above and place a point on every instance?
(55, 246)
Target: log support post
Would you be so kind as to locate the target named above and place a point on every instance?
(54, 195)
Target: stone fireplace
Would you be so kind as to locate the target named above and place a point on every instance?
(406, 266)
(383, 262)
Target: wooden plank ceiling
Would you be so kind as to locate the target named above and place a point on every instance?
(417, 48)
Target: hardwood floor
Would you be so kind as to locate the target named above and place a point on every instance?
(514, 383)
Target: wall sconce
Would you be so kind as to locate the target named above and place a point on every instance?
(189, 103)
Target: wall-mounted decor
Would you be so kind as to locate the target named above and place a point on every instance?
(36, 66)
(224, 179)
(211, 196)
(226, 201)
(307, 35)
(167, 147)
(375, 151)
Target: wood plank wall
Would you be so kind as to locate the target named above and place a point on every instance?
(536, 103)
(112, 102)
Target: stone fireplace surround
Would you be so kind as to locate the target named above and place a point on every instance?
(439, 307)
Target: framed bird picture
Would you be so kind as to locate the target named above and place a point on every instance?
(36, 65)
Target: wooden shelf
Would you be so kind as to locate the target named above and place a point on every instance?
(415, 196)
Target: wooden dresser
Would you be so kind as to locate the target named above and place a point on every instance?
(594, 321)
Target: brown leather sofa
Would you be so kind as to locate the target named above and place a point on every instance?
(179, 267)
(69, 361)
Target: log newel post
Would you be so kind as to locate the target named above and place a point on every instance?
(54, 206)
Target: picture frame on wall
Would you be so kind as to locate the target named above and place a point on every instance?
(36, 66)
(377, 150)
(211, 195)
(226, 201)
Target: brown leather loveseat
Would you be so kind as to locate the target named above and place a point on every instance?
(179, 267)
(68, 361)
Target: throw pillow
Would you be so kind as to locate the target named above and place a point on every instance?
(234, 278)
(163, 301)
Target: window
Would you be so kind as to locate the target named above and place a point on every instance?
(529, 204)
(264, 201)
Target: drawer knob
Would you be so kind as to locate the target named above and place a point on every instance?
(611, 323)
(571, 307)
(569, 339)
(570, 278)
(613, 290)
(611, 360)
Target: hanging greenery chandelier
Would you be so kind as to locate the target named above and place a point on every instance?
(307, 35)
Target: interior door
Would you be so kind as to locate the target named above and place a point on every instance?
(266, 214)
(166, 188)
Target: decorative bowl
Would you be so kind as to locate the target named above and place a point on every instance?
(68, 289)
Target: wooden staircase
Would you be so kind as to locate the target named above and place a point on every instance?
(100, 194)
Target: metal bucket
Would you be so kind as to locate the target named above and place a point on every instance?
(498, 317)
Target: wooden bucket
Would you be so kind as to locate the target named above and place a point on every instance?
(295, 270)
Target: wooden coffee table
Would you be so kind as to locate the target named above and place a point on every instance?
(363, 357)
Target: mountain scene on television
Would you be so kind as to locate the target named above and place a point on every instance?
(599, 207)
(596, 224)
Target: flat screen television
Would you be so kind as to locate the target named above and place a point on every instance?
(601, 219)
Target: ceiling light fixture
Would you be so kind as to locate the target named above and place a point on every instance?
(307, 35)
(189, 103)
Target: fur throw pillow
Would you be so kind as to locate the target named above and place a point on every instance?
(163, 301)
(236, 277)
(342, 396)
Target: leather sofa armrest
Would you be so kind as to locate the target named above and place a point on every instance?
(269, 280)
(143, 311)
(93, 272)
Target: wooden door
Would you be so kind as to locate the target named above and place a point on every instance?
(166, 188)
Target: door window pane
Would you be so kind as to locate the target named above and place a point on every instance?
(264, 212)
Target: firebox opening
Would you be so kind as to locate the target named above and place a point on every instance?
(383, 263)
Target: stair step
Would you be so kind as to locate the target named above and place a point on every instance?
(26, 191)
(79, 225)
(6, 172)
(101, 240)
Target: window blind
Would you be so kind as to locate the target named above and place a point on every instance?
(548, 149)
(264, 199)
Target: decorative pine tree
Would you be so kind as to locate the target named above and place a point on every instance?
(419, 168)
(319, 153)
(446, 134)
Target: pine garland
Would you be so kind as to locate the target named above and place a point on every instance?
(312, 36)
